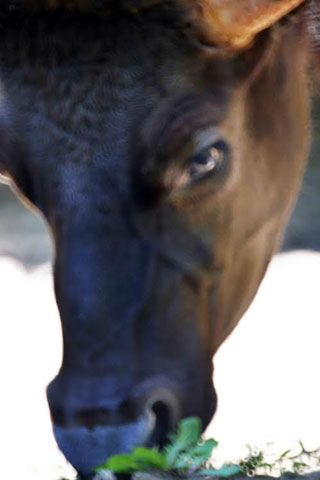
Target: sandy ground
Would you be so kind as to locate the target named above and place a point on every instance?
(266, 374)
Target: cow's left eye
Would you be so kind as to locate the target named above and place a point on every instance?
(208, 160)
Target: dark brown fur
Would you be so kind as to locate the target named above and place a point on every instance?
(81, 5)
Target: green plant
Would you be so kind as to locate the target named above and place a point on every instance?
(254, 462)
(305, 461)
(186, 453)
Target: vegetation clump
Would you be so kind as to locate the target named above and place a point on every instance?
(186, 453)
(301, 463)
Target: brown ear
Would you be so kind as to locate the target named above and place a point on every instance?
(234, 23)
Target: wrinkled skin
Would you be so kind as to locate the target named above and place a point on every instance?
(99, 118)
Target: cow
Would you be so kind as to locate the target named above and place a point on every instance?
(164, 142)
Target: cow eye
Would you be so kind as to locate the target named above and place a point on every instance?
(208, 161)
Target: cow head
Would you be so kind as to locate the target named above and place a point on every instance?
(165, 153)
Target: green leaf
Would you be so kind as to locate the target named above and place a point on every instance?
(298, 466)
(224, 472)
(141, 458)
(122, 463)
(196, 456)
(204, 449)
(189, 433)
(284, 454)
(149, 458)
(186, 452)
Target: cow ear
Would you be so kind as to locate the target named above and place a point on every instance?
(235, 23)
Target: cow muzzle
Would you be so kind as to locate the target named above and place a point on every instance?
(88, 436)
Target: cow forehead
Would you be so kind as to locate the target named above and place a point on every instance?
(80, 114)
(83, 83)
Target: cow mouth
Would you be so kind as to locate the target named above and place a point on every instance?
(87, 448)
(86, 445)
(164, 423)
(159, 437)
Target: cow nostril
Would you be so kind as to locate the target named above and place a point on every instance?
(165, 424)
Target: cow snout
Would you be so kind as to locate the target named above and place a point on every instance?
(87, 436)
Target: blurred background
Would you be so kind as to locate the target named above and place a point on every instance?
(266, 374)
